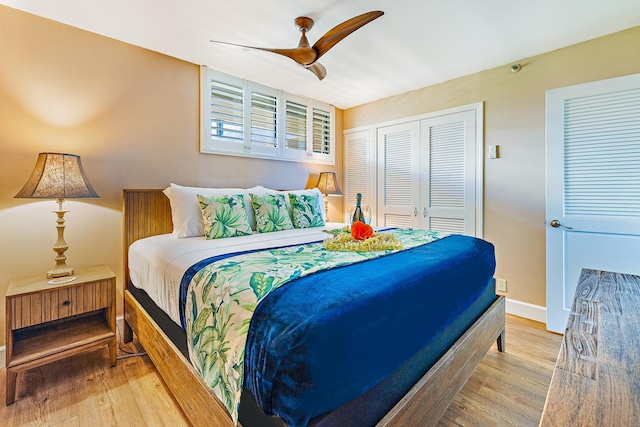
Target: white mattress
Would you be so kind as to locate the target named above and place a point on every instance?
(157, 263)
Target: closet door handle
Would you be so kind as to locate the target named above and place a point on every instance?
(424, 212)
(415, 211)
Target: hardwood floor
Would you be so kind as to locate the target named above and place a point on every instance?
(506, 389)
(509, 389)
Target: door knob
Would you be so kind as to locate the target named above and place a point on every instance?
(555, 224)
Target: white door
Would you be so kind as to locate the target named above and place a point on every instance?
(593, 186)
(359, 171)
(430, 172)
(399, 175)
(448, 173)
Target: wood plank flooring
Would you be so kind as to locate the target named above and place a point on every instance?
(507, 389)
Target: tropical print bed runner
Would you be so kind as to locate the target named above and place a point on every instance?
(223, 295)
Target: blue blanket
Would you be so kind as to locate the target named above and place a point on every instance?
(327, 338)
(223, 295)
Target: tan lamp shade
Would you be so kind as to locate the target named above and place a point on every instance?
(328, 184)
(58, 176)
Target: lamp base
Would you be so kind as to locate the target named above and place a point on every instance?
(60, 271)
(61, 280)
(326, 207)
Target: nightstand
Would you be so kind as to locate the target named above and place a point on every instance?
(47, 322)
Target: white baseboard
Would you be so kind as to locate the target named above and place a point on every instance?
(526, 310)
(3, 349)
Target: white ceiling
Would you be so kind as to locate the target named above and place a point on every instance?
(416, 43)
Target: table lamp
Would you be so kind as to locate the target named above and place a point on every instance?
(328, 185)
(58, 176)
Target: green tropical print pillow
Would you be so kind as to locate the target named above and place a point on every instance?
(271, 212)
(224, 216)
(305, 210)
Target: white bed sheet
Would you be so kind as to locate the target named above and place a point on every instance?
(157, 263)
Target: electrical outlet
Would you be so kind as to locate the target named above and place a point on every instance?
(501, 285)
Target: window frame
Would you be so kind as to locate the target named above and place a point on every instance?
(254, 149)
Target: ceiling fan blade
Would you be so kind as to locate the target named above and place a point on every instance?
(307, 56)
(341, 31)
(317, 69)
(302, 55)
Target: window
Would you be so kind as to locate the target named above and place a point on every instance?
(296, 126)
(264, 119)
(243, 118)
(226, 113)
(321, 131)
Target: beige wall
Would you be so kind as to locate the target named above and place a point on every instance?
(514, 191)
(133, 117)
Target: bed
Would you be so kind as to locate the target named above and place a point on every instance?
(422, 402)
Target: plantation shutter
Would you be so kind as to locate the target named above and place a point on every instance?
(602, 156)
(296, 126)
(243, 118)
(321, 131)
(227, 118)
(264, 119)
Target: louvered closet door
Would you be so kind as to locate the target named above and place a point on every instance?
(359, 166)
(447, 191)
(593, 186)
(399, 175)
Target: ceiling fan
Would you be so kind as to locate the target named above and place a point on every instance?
(307, 55)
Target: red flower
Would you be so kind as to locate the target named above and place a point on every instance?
(361, 231)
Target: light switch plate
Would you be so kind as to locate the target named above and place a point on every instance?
(493, 151)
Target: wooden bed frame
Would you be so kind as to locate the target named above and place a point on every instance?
(148, 213)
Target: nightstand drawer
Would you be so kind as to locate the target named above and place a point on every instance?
(58, 303)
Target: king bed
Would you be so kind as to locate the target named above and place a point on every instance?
(388, 341)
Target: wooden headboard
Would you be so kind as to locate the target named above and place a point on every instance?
(146, 213)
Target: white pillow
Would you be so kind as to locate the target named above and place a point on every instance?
(185, 209)
(311, 192)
